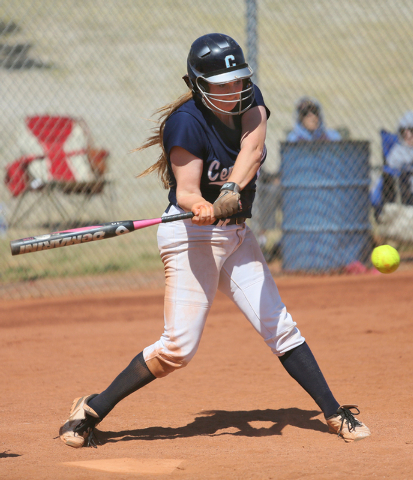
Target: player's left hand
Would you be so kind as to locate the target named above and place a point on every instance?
(203, 213)
(229, 201)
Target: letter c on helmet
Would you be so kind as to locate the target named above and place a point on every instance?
(228, 59)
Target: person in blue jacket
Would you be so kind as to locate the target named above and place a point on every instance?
(309, 123)
(309, 126)
(400, 157)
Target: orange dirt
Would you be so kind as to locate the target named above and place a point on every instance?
(233, 413)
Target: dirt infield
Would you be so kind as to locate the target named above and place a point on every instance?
(233, 413)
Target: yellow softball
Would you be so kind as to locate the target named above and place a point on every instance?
(385, 258)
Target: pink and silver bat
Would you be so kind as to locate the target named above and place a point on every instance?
(87, 234)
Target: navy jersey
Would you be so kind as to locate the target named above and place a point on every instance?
(199, 131)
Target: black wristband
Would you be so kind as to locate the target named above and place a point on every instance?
(234, 187)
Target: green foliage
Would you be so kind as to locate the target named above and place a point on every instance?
(103, 257)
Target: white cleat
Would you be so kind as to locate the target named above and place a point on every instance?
(77, 431)
(346, 425)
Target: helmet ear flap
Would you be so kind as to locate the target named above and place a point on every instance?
(246, 83)
(188, 82)
(203, 84)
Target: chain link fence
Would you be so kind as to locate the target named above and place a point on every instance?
(93, 72)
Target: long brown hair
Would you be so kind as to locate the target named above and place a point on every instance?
(161, 166)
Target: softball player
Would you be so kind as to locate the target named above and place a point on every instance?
(212, 141)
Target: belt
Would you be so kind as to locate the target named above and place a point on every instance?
(230, 221)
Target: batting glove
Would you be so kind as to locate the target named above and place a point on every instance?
(228, 203)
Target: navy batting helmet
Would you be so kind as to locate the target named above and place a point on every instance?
(216, 58)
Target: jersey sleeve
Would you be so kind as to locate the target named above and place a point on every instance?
(259, 101)
(183, 130)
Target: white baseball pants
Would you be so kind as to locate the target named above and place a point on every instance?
(200, 260)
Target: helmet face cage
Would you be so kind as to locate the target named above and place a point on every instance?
(216, 59)
(245, 96)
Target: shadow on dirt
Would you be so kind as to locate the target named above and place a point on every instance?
(212, 422)
(5, 454)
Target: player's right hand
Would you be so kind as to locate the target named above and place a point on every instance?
(203, 213)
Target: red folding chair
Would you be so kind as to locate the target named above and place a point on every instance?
(59, 158)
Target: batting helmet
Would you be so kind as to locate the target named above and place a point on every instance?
(218, 59)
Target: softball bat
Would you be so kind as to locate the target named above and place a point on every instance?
(91, 233)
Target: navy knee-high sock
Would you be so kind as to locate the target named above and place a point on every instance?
(135, 376)
(302, 366)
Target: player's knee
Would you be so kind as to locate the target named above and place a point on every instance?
(164, 364)
(159, 368)
(289, 339)
(169, 354)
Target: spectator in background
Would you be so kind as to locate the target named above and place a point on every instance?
(400, 157)
(309, 126)
(401, 154)
(309, 123)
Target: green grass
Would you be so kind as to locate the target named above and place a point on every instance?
(105, 257)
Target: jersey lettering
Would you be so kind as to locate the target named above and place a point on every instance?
(214, 166)
(224, 174)
(216, 173)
